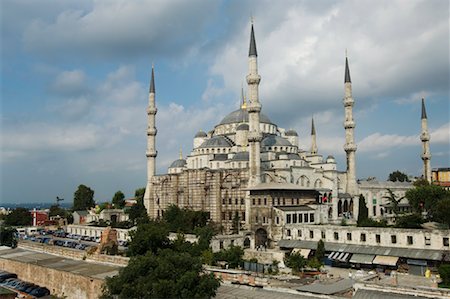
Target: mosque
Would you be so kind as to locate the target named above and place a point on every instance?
(250, 173)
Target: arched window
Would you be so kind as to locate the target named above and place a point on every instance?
(318, 183)
(340, 208)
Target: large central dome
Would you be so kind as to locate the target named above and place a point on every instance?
(241, 115)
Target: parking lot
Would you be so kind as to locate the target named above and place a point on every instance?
(63, 239)
(10, 281)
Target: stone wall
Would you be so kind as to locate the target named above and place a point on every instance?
(60, 283)
(75, 253)
(374, 236)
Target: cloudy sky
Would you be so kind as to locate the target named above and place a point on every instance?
(74, 83)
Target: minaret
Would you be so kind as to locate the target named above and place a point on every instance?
(425, 138)
(349, 125)
(254, 108)
(313, 138)
(151, 138)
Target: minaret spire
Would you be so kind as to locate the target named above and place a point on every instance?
(151, 145)
(252, 50)
(349, 125)
(425, 138)
(314, 149)
(254, 108)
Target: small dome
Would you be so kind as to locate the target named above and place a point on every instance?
(291, 133)
(330, 159)
(241, 156)
(241, 115)
(242, 127)
(200, 134)
(178, 163)
(217, 141)
(274, 140)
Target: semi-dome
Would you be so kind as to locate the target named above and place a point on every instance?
(241, 115)
(178, 163)
(200, 134)
(291, 133)
(243, 127)
(274, 140)
(217, 141)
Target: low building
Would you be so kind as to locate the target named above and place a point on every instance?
(441, 177)
(39, 217)
(96, 231)
(383, 247)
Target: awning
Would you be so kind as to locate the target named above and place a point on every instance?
(362, 258)
(304, 252)
(386, 260)
(410, 253)
(416, 262)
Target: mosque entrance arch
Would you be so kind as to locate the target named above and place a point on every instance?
(260, 237)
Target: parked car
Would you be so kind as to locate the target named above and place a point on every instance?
(7, 275)
(40, 292)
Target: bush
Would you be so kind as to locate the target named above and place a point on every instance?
(409, 221)
(444, 272)
(296, 262)
(373, 223)
(232, 255)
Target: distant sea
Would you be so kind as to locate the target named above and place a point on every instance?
(32, 205)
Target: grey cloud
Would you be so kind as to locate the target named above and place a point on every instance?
(121, 29)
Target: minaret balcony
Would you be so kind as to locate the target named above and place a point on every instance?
(151, 154)
(348, 101)
(254, 107)
(253, 79)
(426, 156)
(350, 147)
(151, 131)
(349, 124)
(152, 110)
(254, 137)
(425, 136)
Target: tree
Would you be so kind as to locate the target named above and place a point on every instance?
(184, 220)
(426, 198)
(409, 221)
(8, 236)
(442, 213)
(444, 272)
(138, 212)
(83, 198)
(235, 224)
(295, 261)
(363, 211)
(320, 251)
(168, 274)
(150, 236)
(398, 176)
(118, 200)
(19, 217)
(393, 200)
(56, 210)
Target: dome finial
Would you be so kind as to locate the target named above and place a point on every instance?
(243, 99)
(181, 153)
